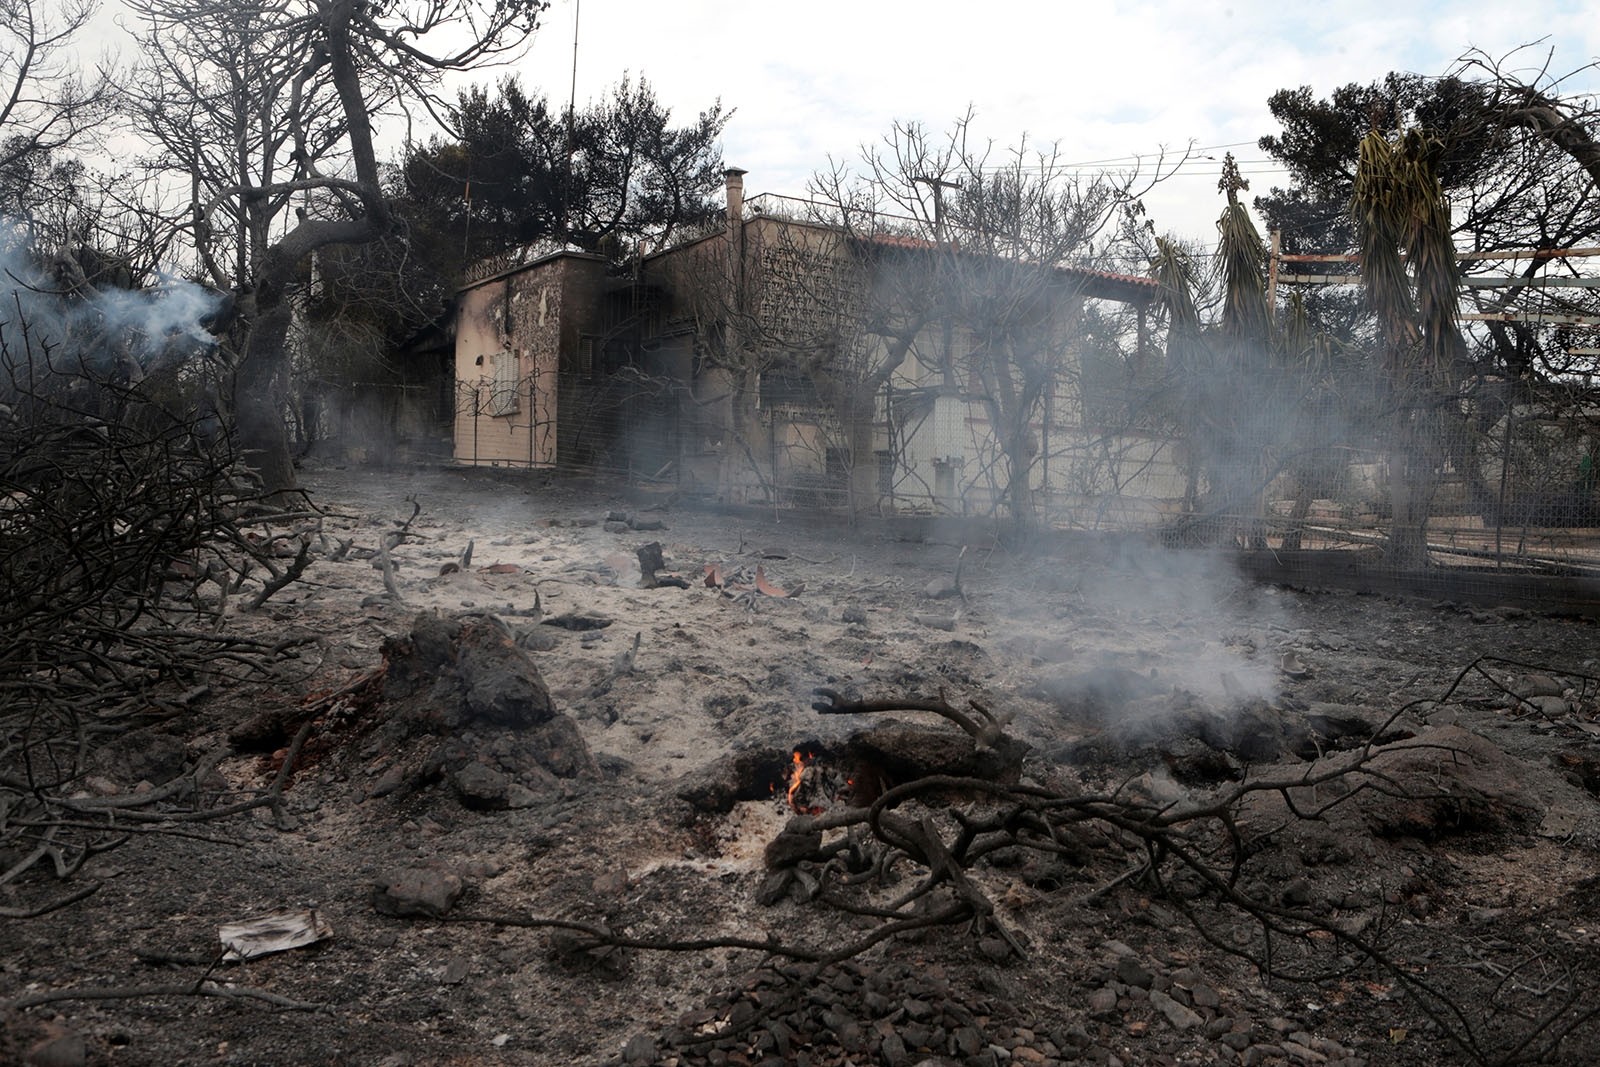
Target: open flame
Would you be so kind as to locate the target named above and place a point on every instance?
(797, 777)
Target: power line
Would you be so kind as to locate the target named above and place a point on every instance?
(1147, 155)
(1188, 157)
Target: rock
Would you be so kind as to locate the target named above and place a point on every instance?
(774, 887)
(1299, 1053)
(417, 891)
(1103, 1003)
(994, 949)
(1551, 707)
(969, 1040)
(1185, 977)
(390, 780)
(1074, 1038)
(1131, 972)
(640, 1049)
(1179, 1016)
(63, 1050)
(1297, 893)
(536, 639)
(486, 789)
(1539, 685)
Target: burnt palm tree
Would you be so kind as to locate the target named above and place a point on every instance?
(1408, 266)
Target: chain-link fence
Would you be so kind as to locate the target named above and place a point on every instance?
(1506, 478)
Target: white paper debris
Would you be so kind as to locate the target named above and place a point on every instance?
(275, 932)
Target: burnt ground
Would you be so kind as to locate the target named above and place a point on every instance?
(1150, 677)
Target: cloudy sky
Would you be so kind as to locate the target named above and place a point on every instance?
(1106, 81)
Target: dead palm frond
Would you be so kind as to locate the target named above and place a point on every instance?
(1403, 221)
(1173, 270)
(1381, 203)
(1243, 260)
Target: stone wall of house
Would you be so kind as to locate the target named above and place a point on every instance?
(514, 334)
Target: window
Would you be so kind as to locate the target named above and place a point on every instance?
(504, 393)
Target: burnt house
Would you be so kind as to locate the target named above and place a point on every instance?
(782, 359)
(549, 370)
(826, 369)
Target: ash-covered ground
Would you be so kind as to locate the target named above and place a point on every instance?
(1467, 863)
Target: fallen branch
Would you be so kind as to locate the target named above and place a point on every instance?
(288, 576)
(54, 905)
(987, 734)
(183, 989)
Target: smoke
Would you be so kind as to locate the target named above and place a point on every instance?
(1188, 622)
(171, 312)
(49, 324)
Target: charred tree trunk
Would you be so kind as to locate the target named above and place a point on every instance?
(1411, 485)
(260, 391)
(740, 441)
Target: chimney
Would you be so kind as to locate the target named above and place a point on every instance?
(735, 178)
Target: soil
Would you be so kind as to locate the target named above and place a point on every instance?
(1473, 871)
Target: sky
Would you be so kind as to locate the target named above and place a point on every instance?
(1110, 84)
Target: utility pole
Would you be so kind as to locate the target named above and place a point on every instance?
(572, 108)
(1272, 275)
(939, 185)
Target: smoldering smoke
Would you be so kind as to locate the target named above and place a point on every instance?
(53, 327)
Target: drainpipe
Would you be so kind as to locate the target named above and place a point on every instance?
(734, 238)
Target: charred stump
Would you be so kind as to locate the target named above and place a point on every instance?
(465, 682)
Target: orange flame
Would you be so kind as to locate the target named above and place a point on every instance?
(797, 775)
